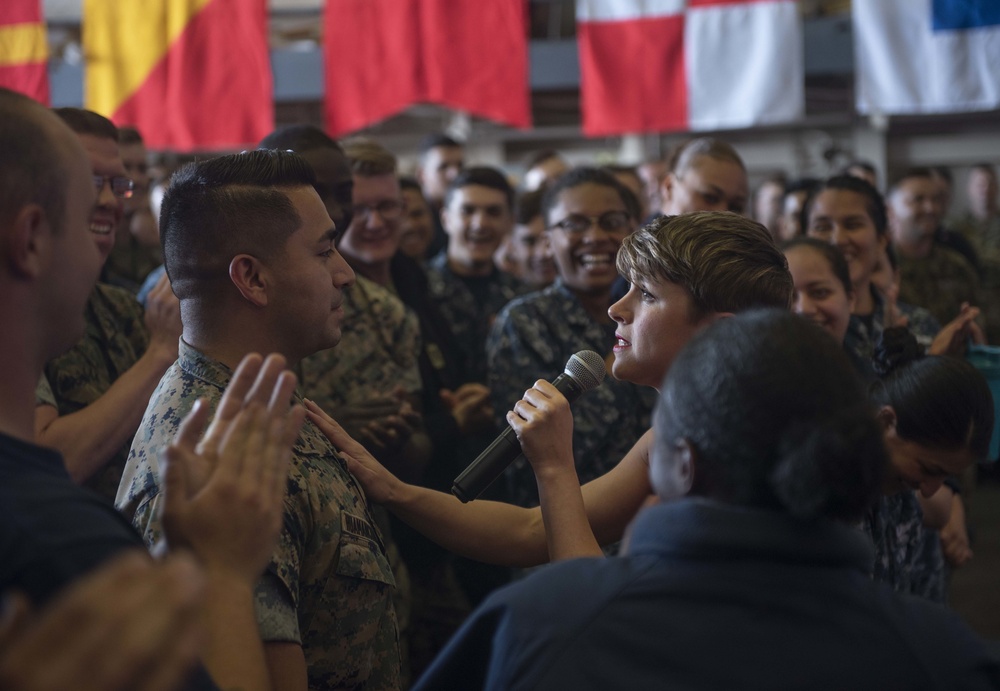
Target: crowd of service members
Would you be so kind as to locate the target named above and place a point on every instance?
(802, 471)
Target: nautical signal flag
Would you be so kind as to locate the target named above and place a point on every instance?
(680, 65)
(927, 56)
(381, 56)
(188, 74)
(24, 49)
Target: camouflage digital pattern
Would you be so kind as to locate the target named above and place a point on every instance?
(532, 339)
(984, 236)
(330, 557)
(939, 283)
(377, 352)
(114, 339)
(908, 555)
(470, 321)
(861, 340)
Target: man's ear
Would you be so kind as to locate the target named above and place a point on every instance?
(250, 278)
(28, 242)
(886, 417)
(672, 469)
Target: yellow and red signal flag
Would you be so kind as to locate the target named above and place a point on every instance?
(188, 74)
(24, 50)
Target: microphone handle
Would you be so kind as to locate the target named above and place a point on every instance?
(504, 450)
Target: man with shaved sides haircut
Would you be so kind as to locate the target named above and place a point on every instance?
(250, 250)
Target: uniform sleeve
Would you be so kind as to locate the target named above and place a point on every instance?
(276, 616)
(517, 356)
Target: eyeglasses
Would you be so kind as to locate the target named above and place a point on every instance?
(121, 186)
(388, 209)
(610, 222)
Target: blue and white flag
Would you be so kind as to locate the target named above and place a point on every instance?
(927, 56)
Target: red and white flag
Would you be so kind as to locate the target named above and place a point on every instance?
(381, 56)
(679, 65)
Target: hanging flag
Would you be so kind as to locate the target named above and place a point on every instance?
(677, 65)
(188, 74)
(24, 49)
(382, 56)
(926, 56)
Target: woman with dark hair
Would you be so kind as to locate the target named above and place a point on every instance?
(749, 573)
(587, 216)
(937, 416)
(850, 214)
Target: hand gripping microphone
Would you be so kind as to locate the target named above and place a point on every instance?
(584, 371)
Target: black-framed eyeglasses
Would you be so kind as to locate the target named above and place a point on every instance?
(121, 186)
(388, 209)
(609, 222)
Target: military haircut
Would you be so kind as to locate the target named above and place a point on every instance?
(129, 135)
(437, 140)
(726, 262)
(528, 206)
(299, 138)
(88, 122)
(917, 172)
(32, 169)
(684, 156)
(484, 176)
(368, 158)
(235, 204)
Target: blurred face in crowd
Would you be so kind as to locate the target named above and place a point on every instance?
(820, 297)
(652, 174)
(768, 205)
(477, 219)
(914, 466)
(915, 210)
(841, 218)
(633, 183)
(586, 227)
(108, 170)
(530, 251)
(418, 225)
(334, 183)
(134, 156)
(791, 223)
(376, 226)
(982, 191)
(438, 168)
(544, 172)
(708, 184)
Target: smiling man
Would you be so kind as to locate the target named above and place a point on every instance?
(91, 399)
(478, 215)
(931, 275)
(250, 251)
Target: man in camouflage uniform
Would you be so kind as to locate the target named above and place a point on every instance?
(100, 387)
(931, 275)
(478, 214)
(981, 226)
(249, 247)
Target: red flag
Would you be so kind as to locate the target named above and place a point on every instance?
(384, 55)
(189, 74)
(674, 65)
(24, 49)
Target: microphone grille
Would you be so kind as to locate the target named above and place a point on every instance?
(587, 368)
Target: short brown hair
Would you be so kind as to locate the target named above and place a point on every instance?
(368, 158)
(727, 262)
(87, 122)
(684, 155)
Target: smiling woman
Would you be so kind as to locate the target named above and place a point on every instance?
(586, 219)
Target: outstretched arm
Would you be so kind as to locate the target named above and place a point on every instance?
(488, 531)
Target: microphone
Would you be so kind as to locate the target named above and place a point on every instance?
(584, 371)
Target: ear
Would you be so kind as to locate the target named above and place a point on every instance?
(250, 278)
(886, 417)
(667, 189)
(672, 469)
(29, 242)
